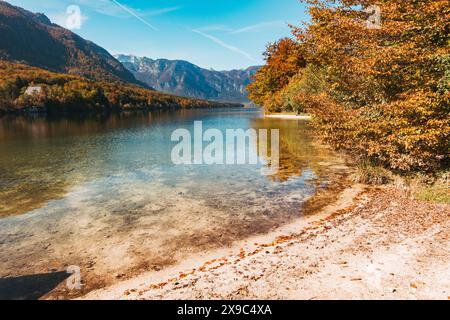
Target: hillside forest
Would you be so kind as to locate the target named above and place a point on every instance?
(64, 93)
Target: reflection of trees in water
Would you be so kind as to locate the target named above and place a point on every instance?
(42, 157)
(299, 150)
(34, 127)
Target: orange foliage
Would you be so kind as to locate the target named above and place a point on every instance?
(387, 93)
(284, 60)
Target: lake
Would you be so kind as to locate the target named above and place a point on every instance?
(102, 193)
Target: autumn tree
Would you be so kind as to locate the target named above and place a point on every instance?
(384, 94)
(283, 60)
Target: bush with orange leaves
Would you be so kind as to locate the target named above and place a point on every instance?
(385, 89)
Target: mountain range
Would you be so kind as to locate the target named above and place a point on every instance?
(32, 39)
(47, 68)
(183, 78)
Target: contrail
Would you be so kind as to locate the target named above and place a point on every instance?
(225, 45)
(134, 14)
(161, 11)
(259, 26)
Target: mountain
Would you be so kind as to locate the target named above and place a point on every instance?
(32, 39)
(186, 79)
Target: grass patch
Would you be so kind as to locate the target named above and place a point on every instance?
(434, 194)
(421, 187)
(437, 191)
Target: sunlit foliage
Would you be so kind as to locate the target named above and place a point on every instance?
(284, 60)
(380, 93)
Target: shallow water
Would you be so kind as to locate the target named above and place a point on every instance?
(102, 193)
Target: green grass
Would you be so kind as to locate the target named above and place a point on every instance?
(437, 193)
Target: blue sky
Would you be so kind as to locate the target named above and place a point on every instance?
(218, 34)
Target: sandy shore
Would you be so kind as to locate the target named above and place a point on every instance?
(379, 245)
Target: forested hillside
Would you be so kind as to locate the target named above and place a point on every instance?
(68, 93)
(32, 39)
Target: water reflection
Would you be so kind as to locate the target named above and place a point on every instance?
(300, 151)
(102, 193)
(41, 158)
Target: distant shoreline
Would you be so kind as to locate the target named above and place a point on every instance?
(27, 112)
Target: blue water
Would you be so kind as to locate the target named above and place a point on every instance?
(102, 193)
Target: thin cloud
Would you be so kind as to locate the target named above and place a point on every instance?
(114, 8)
(130, 11)
(215, 27)
(224, 45)
(62, 20)
(104, 7)
(158, 12)
(259, 27)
